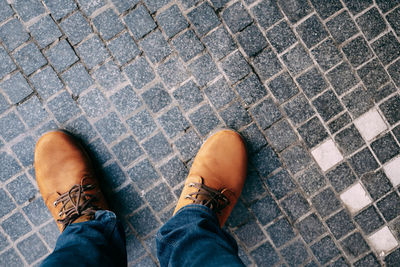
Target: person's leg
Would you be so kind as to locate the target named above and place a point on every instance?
(98, 242)
(193, 236)
(91, 235)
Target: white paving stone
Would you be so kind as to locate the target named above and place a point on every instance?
(327, 155)
(383, 241)
(370, 124)
(355, 198)
(392, 170)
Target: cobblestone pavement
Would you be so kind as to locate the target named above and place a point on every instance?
(313, 86)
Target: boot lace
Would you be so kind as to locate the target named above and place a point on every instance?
(212, 198)
(76, 203)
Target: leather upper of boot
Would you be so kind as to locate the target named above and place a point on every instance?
(60, 164)
(221, 163)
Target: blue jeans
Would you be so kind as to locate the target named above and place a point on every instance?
(191, 238)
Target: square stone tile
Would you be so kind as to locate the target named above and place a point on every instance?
(139, 72)
(325, 250)
(342, 78)
(313, 132)
(127, 150)
(94, 103)
(373, 75)
(77, 78)
(37, 212)
(92, 52)
(21, 189)
(46, 82)
(340, 224)
(154, 5)
(139, 22)
(295, 206)
(159, 197)
(16, 226)
(266, 64)
(11, 126)
(76, 28)
(280, 184)
(61, 56)
(371, 23)
(32, 112)
(311, 31)
(249, 240)
(265, 254)
(173, 122)
(188, 95)
(310, 228)
(349, 140)
(363, 162)
(172, 21)
(394, 72)
(60, 8)
(32, 248)
(326, 9)
(312, 82)
(203, 18)
(123, 48)
(383, 240)
(266, 13)
(369, 259)
(25, 151)
(126, 101)
(219, 42)
(16, 88)
(281, 135)
(220, 94)
(108, 24)
(369, 220)
(142, 124)
(99, 151)
(126, 200)
(298, 109)
(143, 174)
(240, 215)
(377, 184)
(109, 76)
(10, 257)
(89, 6)
(370, 124)
(342, 27)
(6, 10)
(392, 170)
(354, 245)
(280, 232)
(311, 180)
(357, 6)
(157, 147)
(110, 127)
(7, 203)
(358, 101)
(156, 98)
(295, 9)
(188, 45)
(204, 119)
(296, 158)
(235, 67)
(13, 34)
(283, 87)
(389, 206)
(144, 222)
(393, 258)
(266, 113)
(326, 202)
(7, 64)
(204, 69)
(387, 48)
(355, 198)
(327, 155)
(236, 17)
(393, 19)
(174, 72)
(251, 40)
(281, 36)
(390, 109)
(386, 5)
(11, 166)
(174, 171)
(155, 46)
(45, 31)
(235, 116)
(297, 59)
(357, 51)
(385, 148)
(266, 210)
(265, 161)
(326, 54)
(28, 9)
(81, 128)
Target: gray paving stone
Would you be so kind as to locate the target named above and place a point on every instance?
(139, 72)
(253, 137)
(389, 109)
(266, 210)
(28, 9)
(89, 6)
(265, 254)
(327, 105)
(280, 232)
(371, 23)
(253, 187)
(358, 101)
(326, 202)
(29, 58)
(298, 109)
(393, 19)
(76, 28)
(13, 34)
(376, 183)
(342, 78)
(60, 8)
(173, 122)
(7, 203)
(251, 40)
(204, 119)
(219, 42)
(77, 78)
(265, 161)
(387, 48)
(369, 259)
(373, 75)
(239, 216)
(173, 71)
(45, 31)
(10, 257)
(297, 59)
(235, 116)
(159, 197)
(266, 64)
(281, 36)
(358, 5)
(139, 22)
(7, 64)
(339, 122)
(154, 5)
(92, 52)
(134, 248)
(113, 176)
(386, 5)
(156, 98)
(141, 124)
(204, 69)
(393, 258)
(188, 95)
(6, 10)
(249, 240)
(312, 82)
(155, 46)
(61, 56)
(123, 48)
(32, 248)
(311, 180)
(25, 151)
(296, 253)
(326, 8)
(354, 245)
(296, 158)
(81, 128)
(363, 162)
(94, 103)
(389, 206)
(108, 24)
(37, 212)
(312, 31)
(172, 21)
(281, 184)
(349, 140)
(123, 5)
(187, 45)
(21, 189)
(11, 126)
(157, 147)
(126, 101)
(295, 9)
(49, 233)
(326, 54)
(203, 18)
(295, 206)
(310, 228)
(109, 75)
(110, 127)
(100, 152)
(236, 17)
(283, 87)
(357, 51)
(266, 113)
(342, 27)
(143, 174)
(144, 222)
(4, 243)
(10, 166)
(385, 148)
(46, 82)
(16, 88)
(16, 226)
(267, 13)
(174, 171)
(127, 150)
(126, 200)
(325, 249)
(235, 67)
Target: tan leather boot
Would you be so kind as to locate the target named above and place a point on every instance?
(66, 179)
(217, 175)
